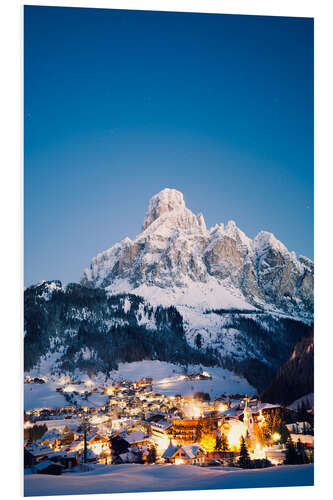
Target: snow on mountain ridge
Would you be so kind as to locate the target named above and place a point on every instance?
(176, 259)
(165, 201)
(265, 240)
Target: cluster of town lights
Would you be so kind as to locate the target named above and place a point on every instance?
(195, 421)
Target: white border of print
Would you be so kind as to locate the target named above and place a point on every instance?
(11, 247)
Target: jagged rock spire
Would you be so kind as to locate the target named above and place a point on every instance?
(165, 201)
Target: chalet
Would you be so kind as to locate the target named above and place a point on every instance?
(192, 454)
(169, 453)
(135, 437)
(119, 446)
(49, 467)
(99, 444)
(39, 452)
(68, 460)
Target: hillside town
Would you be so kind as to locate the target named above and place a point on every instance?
(138, 425)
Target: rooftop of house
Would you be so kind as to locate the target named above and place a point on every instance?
(45, 464)
(191, 450)
(134, 436)
(170, 451)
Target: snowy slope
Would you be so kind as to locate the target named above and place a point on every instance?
(168, 379)
(141, 478)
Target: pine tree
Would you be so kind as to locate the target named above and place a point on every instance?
(152, 455)
(248, 441)
(279, 426)
(139, 457)
(218, 444)
(198, 342)
(224, 443)
(291, 454)
(35, 433)
(244, 458)
(303, 414)
(302, 457)
(305, 428)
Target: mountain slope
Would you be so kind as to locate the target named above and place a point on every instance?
(72, 327)
(178, 292)
(296, 377)
(78, 327)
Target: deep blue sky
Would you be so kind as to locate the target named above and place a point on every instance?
(120, 104)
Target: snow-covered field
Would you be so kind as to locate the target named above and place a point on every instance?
(42, 396)
(140, 478)
(222, 382)
(46, 396)
(167, 379)
(60, 423)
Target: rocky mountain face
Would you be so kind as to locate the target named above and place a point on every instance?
(295, 377)
(177, 260)
(178, 292)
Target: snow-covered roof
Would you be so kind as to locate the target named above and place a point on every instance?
(44, 464)
(191, 449)
(236, 411)
(162, 424)
(50, 435)
(268, 406)
(231, 412)
(59, 453)
(39, 450)
(134, 436)
(170, 451)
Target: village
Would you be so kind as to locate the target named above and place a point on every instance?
(138, 425)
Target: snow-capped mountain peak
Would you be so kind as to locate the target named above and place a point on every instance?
(163, 202)
(265, 240)
(176, 260)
